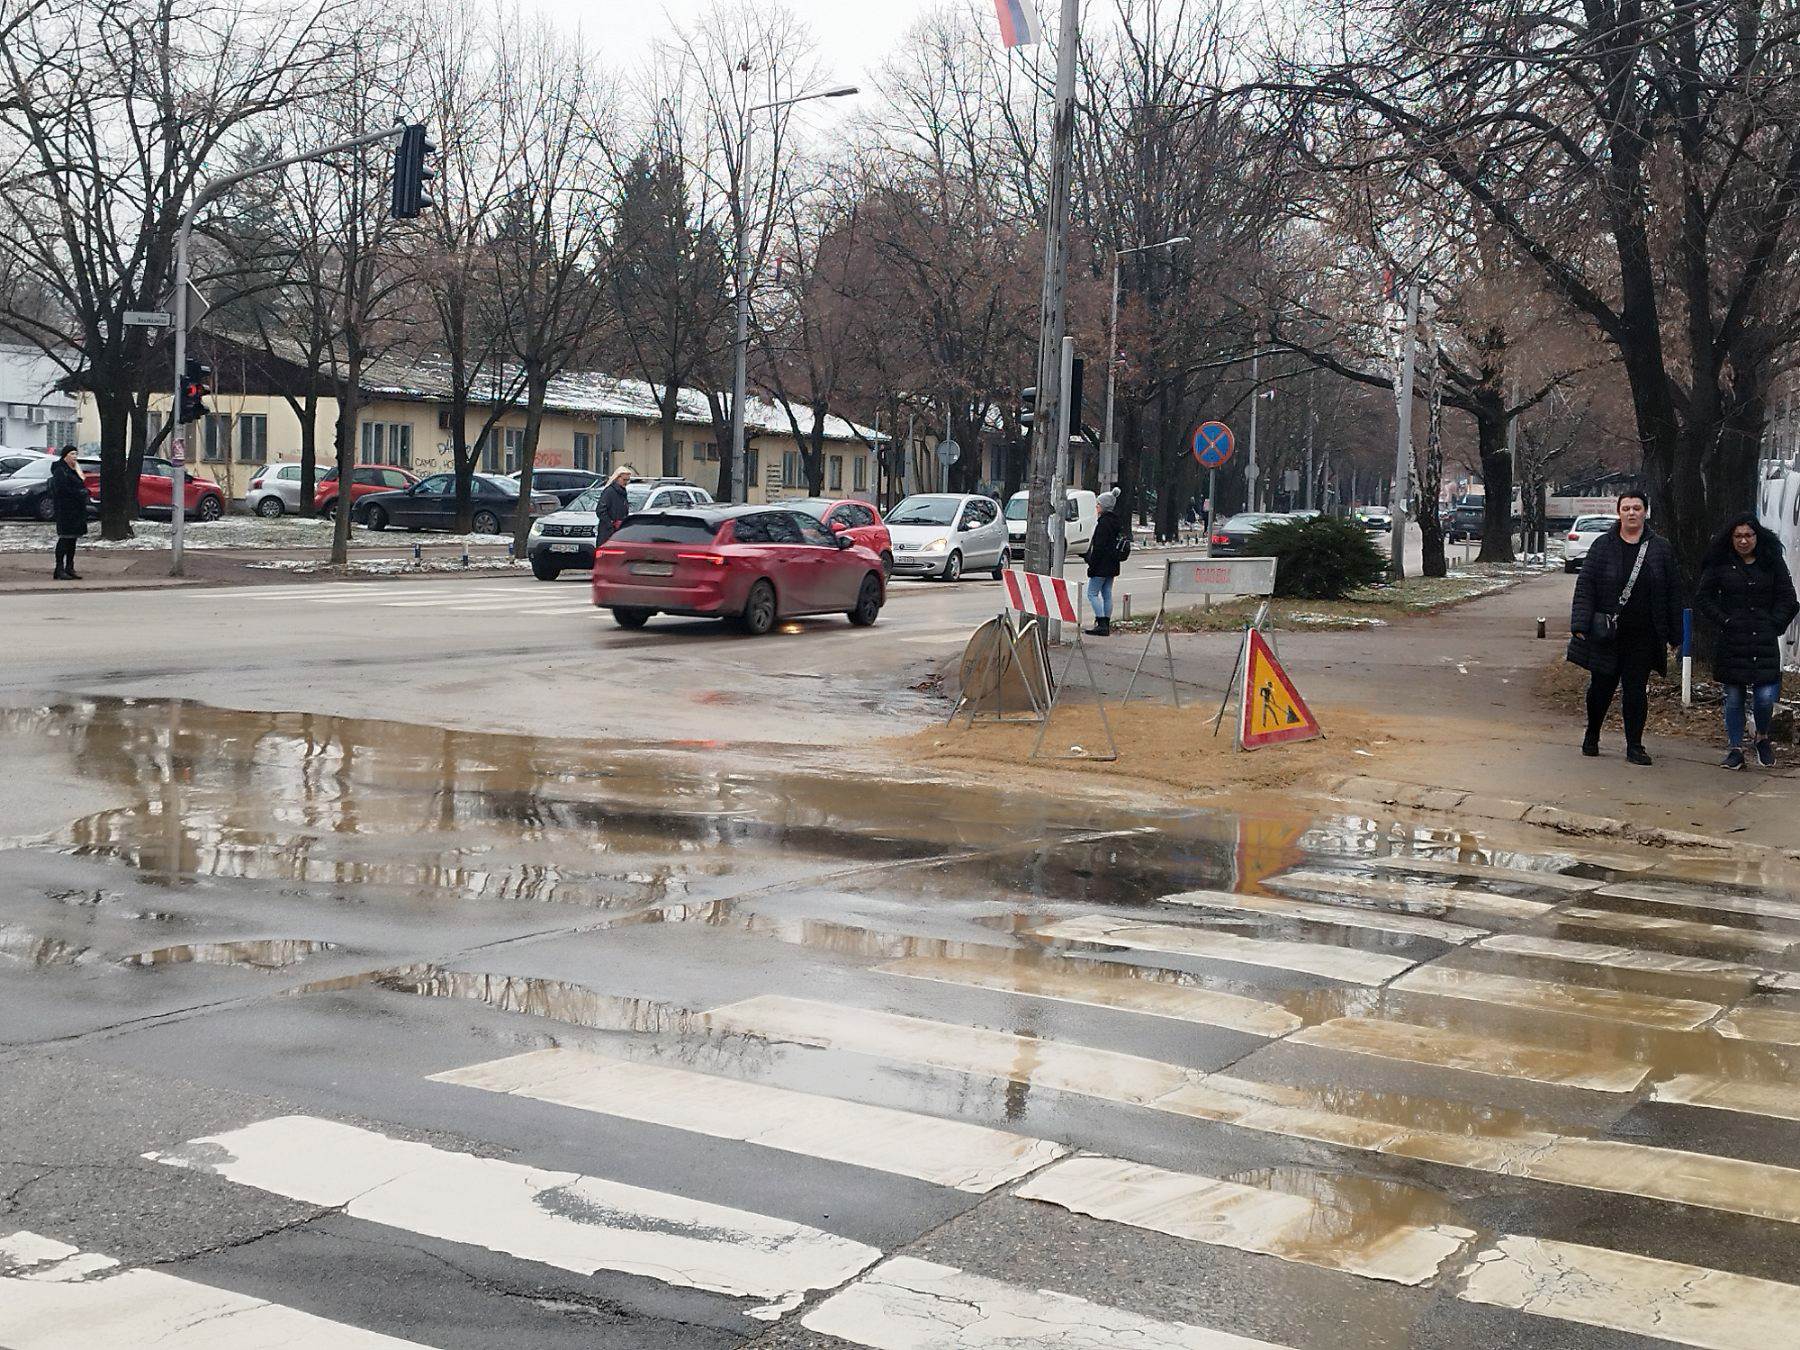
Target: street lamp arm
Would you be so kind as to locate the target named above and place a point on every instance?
(842, 91)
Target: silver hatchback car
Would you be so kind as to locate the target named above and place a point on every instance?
(945, 534)
(275, 490)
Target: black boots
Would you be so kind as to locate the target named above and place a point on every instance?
(1101, 628)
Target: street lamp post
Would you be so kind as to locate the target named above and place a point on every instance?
(1112, 336)
(740, 484)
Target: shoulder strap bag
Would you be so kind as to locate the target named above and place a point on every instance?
(1605, 627)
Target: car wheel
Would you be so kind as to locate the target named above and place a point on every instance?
(545, 570)
(376, 518)
(759, 609)
(209, 508)
(485, 522)
(868, 602)
(46, 509)
(953, 567)
(1570, 565)
(269, 507)
(327, 510)
(999, 567)
(887, 563)
(631, 618)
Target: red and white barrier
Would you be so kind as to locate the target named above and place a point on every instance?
(1045, 596)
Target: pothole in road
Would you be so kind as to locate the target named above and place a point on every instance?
(258, 953)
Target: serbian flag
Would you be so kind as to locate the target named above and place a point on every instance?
(1019, 23)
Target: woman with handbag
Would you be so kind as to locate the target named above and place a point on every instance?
(1747, 596)
(1626, 615)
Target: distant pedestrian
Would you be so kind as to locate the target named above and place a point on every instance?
(1626, 614)
(69, 495)
(615, 503)
(1106, 551)
(1747, 594)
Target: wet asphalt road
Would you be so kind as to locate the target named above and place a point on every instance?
(328, 1032)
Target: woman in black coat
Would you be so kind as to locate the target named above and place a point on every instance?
(1645, 625)
(1103, 562)
(1747, 595)
(69, 495)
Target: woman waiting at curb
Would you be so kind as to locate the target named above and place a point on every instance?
(1104, 555)
(69, 497)
(1747, 595)
(1627, 613)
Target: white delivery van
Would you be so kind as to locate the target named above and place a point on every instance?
(1081, 511)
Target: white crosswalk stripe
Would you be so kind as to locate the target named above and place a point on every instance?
(1449, 867)
(1350, 964)
(1342, 916)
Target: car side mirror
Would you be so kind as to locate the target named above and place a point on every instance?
(838, 527)
(845, 541)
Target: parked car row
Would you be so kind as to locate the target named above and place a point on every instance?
(25, 488)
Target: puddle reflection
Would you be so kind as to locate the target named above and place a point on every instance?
(259, 954)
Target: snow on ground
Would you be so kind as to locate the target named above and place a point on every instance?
(389, 567)
(232, 532)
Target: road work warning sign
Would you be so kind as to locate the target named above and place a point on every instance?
(1270, 709)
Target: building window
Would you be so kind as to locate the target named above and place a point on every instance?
(837, 473)
(582, 453)
(752, 465)
(59, 434)
(791, 476)
(515, 448)
(215, 436)
(253, 438)
(859, 473)
(387, 443)
(489, 452)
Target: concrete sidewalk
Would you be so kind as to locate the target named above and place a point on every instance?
(1459, 694)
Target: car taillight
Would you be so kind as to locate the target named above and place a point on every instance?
(609, 553)
(1221, 539)
(256, 482)
(1573, 537)
(716, 559)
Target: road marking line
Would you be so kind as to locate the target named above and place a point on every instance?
(1433, 899)
(1457, 1136)
(1750, 1097)
(1121, 987)
(1692, 897)
(1311, 911)
(1614, 1005)
(1314, 958)
(909, 1304)
(1447, 867)
(1440, 1047)
(945, 1152)
(1620, 958)
(53, 1309)
(1248, 1218)
(1717, 934)
(1780, 1026)
(562, 1219)
(1664, 1300)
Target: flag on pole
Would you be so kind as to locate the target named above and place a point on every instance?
(1019, 22)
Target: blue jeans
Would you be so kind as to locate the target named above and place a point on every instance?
(1765, 695)
(1100, 596)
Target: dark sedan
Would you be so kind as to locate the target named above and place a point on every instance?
(430, 504)
(563, 484)
(1231, 536)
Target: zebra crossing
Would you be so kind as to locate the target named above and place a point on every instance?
(1367, 977)
(527, 598)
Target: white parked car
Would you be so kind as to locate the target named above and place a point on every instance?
(564, 540)
(1581, 538)
(1081, 512)
(945, 534)
(275, 490)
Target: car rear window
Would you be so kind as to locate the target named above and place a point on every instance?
(662, 528)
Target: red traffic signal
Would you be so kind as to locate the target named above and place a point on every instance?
(196, 384)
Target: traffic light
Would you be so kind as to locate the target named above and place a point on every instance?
(410, 173)
(196, 384)
(1028, 409)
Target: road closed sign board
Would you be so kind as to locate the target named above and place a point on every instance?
(1219, 576)
(1270, 709)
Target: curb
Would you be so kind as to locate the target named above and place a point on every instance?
(1384, 792)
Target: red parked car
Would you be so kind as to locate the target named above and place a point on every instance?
(753, 564)
(848, 515)
(202, 499)
(364, 479)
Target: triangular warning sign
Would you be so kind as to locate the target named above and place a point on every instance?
(1270, 709)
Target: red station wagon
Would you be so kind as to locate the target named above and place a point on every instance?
(202, 499)
(364, 479)
(752, 564)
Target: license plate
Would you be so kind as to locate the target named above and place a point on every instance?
(565, 548)
(652, 569)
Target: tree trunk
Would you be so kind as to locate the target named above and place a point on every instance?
(346, 452)
(669, 404)
(537, 384)
(1496, 483)
(309, 452)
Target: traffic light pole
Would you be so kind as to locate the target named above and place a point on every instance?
(202, 199)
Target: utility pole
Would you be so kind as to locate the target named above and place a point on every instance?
(1403, 437)
(1250, 463)
(1309, 438)
(1053, 317)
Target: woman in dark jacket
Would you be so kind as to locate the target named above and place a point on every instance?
(1644, 625)
(615, 504)
(1103, 562)
(69, 495)
(1747, 596)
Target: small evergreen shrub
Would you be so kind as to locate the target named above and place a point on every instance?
(1324, 558)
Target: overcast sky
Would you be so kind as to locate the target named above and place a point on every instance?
(853, 34)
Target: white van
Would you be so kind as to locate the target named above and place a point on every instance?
(1081, 512)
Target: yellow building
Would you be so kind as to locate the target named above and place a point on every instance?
(591, 421)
